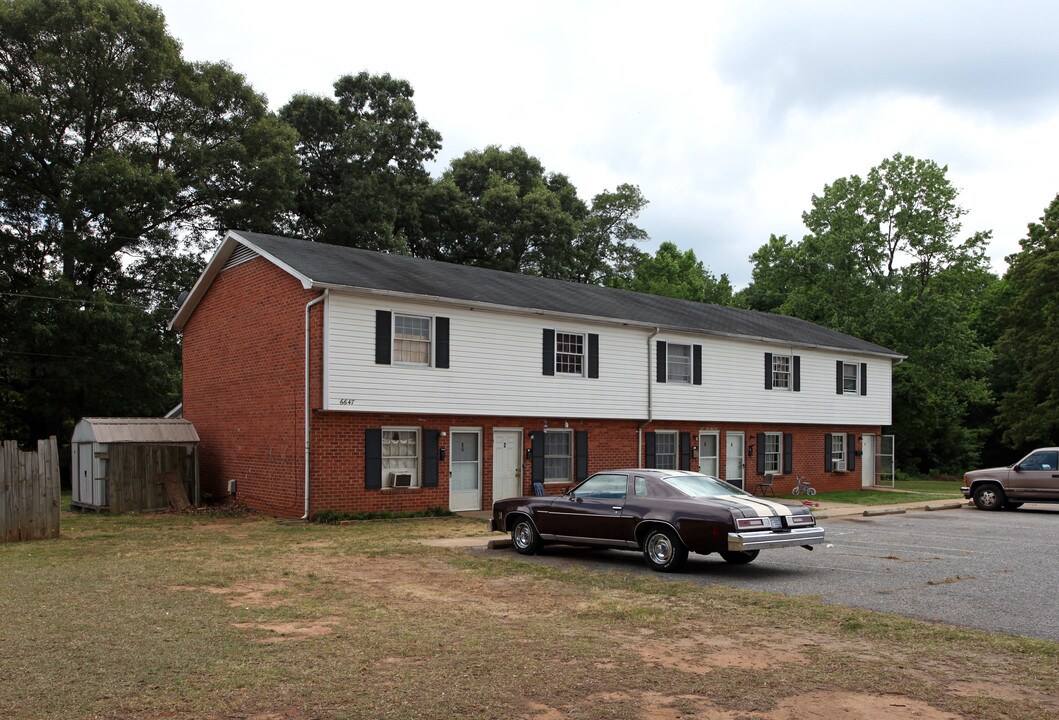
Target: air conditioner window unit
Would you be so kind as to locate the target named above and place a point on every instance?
(402, 479)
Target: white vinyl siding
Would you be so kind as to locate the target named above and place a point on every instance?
(495, 369)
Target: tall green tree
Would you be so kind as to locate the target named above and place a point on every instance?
(1029, 344)
(362, 155)
(677, 274)
(117, 159)
(883, 260)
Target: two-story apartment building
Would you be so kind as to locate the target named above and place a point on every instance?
(324, 377)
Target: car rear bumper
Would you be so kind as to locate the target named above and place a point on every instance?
(765, 539)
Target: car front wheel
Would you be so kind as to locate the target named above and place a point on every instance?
(524, 536)
(739, 557)
(989, 497)
(664, 551)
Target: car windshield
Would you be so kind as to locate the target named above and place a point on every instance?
(701, 486)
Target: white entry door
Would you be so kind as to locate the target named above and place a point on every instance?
(734, 458)
(507, 464)
(867, 461)
(465, 470)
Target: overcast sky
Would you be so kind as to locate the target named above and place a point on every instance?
(729, 116)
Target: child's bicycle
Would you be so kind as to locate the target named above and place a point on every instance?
(803, 487)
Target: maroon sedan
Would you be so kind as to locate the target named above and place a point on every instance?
(663, 513)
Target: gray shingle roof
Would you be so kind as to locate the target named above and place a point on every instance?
(337, 266)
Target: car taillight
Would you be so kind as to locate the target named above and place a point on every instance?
(754, 523)
(801, 520)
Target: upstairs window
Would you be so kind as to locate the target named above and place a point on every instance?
(678, 363)
(851, 378)
(781, 372)
(570, 353)
(411, 340)
(850, 375)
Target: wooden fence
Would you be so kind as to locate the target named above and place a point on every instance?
(29, 491)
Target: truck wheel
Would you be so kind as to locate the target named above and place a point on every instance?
(989, 497)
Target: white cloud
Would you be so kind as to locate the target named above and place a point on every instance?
(728, 115)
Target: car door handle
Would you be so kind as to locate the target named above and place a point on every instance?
(616, 507)
(1055, 475)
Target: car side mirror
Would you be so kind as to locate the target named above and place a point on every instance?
(1017, 468)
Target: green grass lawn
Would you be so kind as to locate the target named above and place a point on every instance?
(913, 490)
(196, 616)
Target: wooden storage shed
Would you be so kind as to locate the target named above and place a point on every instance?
(128, 464)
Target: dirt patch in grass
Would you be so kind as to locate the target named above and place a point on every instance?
(252, 619)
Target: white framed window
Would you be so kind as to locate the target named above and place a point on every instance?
(781, 372)
(850, 378)
(666, 450)
(838, 452)
(773, 452)
(400, 457)
(569, 353)
(558, 455)
(708, 453)
(412, 340)
(678, 363)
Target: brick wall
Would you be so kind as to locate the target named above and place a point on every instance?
(244, 379)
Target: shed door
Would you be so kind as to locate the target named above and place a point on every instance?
(82, 488)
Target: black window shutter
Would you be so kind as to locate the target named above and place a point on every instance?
(828, 466)
(851, 451)
(838, 377)
(548, 352)
(593, 355)
(660, 363)
(383, 345)
(761, 451)
(441, 342)
(430, 458)
(788, 454)
(768, 373)
(685, 451)
(537, 456)
(796, 372)
(696, 377)
(581, 448)
(864, 378)
(649, 460)
(373, 458)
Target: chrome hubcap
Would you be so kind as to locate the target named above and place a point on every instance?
(523, 535)
(988, 497)
(660, 549)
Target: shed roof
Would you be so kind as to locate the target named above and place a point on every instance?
(159, 431)
(318, 265)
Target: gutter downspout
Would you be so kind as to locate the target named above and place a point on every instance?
(308, 306)
(650, 405)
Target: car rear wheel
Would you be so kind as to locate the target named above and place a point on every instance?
(989, 497)
(739, 557)
(664, 551)
(524, 536)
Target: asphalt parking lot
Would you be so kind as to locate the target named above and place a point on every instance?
(996, 571)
